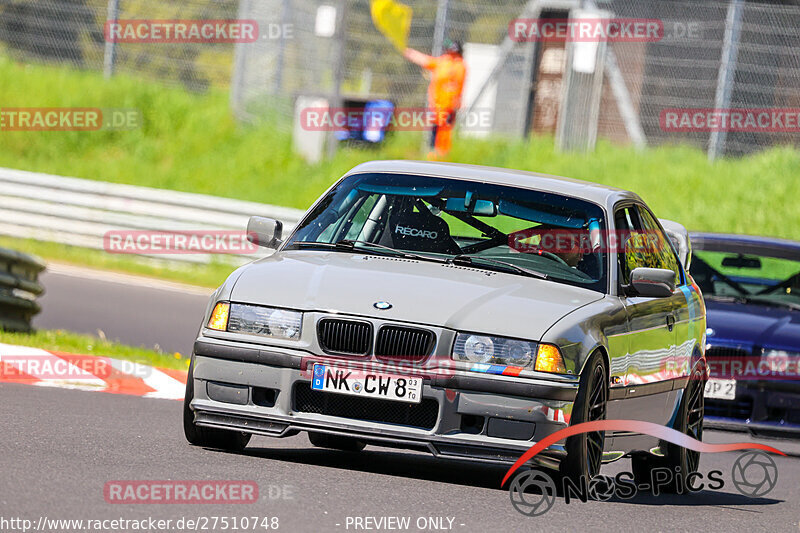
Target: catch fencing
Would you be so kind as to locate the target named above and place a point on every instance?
(713, 55)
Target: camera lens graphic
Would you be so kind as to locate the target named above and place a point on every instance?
(754, 474)
(532, 493)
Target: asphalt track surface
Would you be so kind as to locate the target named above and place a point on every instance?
(59, 447)
(128, 309)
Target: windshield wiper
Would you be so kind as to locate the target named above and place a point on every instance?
(768, 302)
(349, 245)
(469, 260)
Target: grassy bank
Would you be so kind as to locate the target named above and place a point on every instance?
(191, 143)
(64, 341)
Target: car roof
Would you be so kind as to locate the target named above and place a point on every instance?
(746, 244)
(600, 194)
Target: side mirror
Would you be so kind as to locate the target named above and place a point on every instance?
(266, 232)
(652, 282)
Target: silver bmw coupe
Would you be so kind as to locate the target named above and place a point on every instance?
(462, 310)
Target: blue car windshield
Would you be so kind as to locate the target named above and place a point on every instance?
(743, 275)
(491, 226)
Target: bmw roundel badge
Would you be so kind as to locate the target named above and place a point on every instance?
(383, 306)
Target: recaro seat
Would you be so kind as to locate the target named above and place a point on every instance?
(420, 231)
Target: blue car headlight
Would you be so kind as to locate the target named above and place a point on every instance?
(781, 362)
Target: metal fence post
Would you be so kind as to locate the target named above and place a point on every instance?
(439, 27)
(281, 47)
(110, 56)
(727, 71)
(340, 38)
(237, 95)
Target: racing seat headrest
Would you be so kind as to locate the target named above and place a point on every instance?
(420, 232)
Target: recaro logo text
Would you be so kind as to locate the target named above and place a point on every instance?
(414, 232)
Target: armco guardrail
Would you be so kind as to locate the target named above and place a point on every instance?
(80, 212)
(19, 287)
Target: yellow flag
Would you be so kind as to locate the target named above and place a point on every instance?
(393, 20)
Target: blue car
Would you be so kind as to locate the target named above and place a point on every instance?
(751, 287)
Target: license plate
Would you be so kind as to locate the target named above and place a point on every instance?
(330, 378)
(721, 389)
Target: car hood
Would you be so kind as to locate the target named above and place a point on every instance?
(422, 292)
(749, 325)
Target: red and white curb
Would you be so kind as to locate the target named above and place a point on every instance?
(33, 366)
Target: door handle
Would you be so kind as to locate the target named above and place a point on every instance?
(670, 322)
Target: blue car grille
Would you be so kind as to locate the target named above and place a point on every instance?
(739, 409)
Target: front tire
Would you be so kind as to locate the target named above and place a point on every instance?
(233, 441)
(585, 451)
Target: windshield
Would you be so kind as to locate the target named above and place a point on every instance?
(496, 227)
(751, 277)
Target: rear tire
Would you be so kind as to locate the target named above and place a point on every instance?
(222, 439)
(335, 442)
(679, 460)
(585, 451)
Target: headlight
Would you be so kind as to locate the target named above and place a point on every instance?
(780, 361)
(501, 351)
(493, 350)
(256, 320)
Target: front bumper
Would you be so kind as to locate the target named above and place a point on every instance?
(263, 390)
(765, 408)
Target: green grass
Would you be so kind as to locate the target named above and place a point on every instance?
(63, 341)
(191, 143)
(211, 275)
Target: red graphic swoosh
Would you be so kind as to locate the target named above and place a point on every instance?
(644, 428)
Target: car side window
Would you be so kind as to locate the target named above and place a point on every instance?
(627, 223)
(658, 246)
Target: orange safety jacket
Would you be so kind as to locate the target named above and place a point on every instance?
(447, 80)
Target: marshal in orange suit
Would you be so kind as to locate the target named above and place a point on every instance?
(444, 92)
